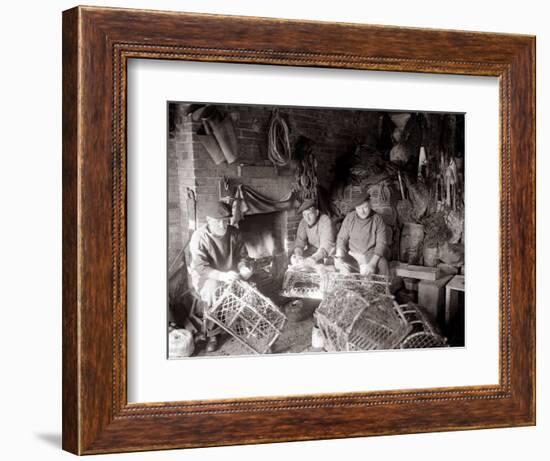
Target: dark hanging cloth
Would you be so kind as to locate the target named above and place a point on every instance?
(248, 201)
(324, 203)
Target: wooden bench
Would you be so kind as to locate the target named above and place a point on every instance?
(417, 272)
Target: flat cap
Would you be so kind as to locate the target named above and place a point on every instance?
(218, 210)
(362, 199)
(307, 203)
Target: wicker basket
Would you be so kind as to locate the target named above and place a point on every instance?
(303, 284)
(373, 284)
(247, 315)
(360, 319)
(422, 333)
(316, 284)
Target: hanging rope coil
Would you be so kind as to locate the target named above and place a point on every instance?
(278, 149)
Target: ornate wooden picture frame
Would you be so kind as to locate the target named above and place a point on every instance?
(97, 44)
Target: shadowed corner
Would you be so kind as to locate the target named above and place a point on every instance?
(53, 439)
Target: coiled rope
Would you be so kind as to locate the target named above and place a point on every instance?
(278, 148)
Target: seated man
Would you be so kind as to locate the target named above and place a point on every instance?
(315, 235)
(218, 256)
(362, 243)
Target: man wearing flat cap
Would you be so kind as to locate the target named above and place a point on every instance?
(362, 242)
(315, 235)
(218, 256)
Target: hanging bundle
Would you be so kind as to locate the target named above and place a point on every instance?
(278, 148)
(306, 182)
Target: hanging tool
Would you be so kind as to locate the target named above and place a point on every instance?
(400, 185)
(192, 200)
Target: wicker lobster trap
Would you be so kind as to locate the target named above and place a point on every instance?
(368, 285)
(303, 283)
(360, 319)
(247, 315)
(422, 333)
(315, 284)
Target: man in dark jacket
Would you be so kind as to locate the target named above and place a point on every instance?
(218, 256)
(362, 242)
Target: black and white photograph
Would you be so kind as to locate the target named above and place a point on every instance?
(242, 230)
(310, 229)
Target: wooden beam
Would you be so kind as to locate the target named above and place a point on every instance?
(417, 272)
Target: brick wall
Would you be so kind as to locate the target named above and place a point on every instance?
(334, 132)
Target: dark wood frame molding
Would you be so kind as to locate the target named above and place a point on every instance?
(97, 43)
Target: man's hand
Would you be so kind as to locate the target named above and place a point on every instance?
(338, 264)
(296, 260)
(245, 270)
(309, 262)
(367, 269)
(229, 276)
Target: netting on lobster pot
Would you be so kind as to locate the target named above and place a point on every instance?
(355, 320)
(423, 334)
(247, 315)
(368, 285)
(299, 283)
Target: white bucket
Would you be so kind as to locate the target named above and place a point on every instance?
(180, 343)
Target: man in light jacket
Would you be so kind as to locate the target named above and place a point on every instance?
(314, 237)
(362, 242)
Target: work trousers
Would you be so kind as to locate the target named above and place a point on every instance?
(351, 262)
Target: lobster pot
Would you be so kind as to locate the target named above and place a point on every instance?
(369, 286)
(303, 284)
(247, 315)
(422, 333)
(357, 320)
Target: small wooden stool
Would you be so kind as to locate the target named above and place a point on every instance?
(451, 296)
